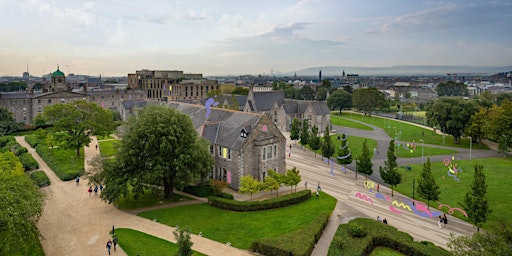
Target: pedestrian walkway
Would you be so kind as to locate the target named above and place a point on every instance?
(72, 223)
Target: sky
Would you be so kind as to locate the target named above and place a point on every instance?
(236, 37)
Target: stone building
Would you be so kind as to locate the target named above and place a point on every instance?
(169, 85)
(241, 143)
(26, 105)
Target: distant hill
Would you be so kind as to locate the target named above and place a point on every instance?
(402, 71)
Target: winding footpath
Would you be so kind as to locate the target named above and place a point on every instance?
(74, 223)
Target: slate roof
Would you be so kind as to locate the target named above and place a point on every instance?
(225, 124)
(265, 100)
(129, 104)
(300, 106)
(14, 95)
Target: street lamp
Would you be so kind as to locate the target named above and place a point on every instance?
(421, 150)
(470, 145)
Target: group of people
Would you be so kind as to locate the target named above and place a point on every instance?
(443, 221)
(382, 220)
(90, 189)
(110, 243)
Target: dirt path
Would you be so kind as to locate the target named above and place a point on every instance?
(74, 223)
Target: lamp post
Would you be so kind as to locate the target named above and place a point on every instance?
(421, 151)
(470, 145)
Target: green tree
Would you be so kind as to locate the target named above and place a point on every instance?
(304, 134)
(314, 139)
(368, 99)
(390, 173)
(348, 88)
(21, 204)
(248, 185)
(503, 146)
(475, 203)
(344, 154)
(79, 120)
(321, 93)
(7, 122)
(270, 183)
(451, 115)
(497, 240)
(427, 186)
(292, 178)
(499, 121)
(160, 147)
(241, 91)
(183, 242)
(306, 93)
(278, 177)
(327, 145)
(364, 163)
(477, 125)
(295, 129)
(339, 99)
(452, 88)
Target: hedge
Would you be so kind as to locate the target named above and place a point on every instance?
(379, 234)
(247, 206)
(64, 163)
(297, 243)
(32, 140)
(40, 178)
(28, 162)
(201, 190)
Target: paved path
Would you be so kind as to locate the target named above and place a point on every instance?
(73, 223)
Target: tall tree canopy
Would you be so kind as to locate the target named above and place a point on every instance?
(21, 204)
(304, 134)
(314, 139)
(7, 122)
(339, 99)
(79, 120)
(452, 88)
(390, 173)
(160, 147)
(306, 93)
(451, 115)
(295, 129)
(476, 203)
(427, 186)
(368, 99)
(364, 161)
(327, 145)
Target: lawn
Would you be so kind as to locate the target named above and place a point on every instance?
(226, 226)
(108, 148)
(148, 199)
(498, 172)
(341, 121)
(354, 143)
(407, 132)
(134, 243)
(384, 251)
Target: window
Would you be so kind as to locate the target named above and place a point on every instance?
(62, 100)
(211, 149)
(275, 150)
(269, 152)
(38, 101)
(264, 153)
(49, 101)
(229, 153)
(220, 150)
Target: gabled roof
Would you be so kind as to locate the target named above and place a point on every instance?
(300, 106)
(225, 124)
(129, 104)
(49, 94)
(265, 100)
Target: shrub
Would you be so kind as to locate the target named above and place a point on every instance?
(299, 243)
(218, 186)
(244, 206)
(201, 190)
(357, 231)
(40, 178)
(32, 140)
(18, 150)
(64, 163)
(28, 162)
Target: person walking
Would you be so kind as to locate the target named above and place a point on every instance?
(440, 222)
(318, 188)
(306, 184)
(101, 188)
(445, 220)
(77, 180)
(90, 191)
(96, 146)
(378, 187)
(109, 245)
(385, 221)
(115, 242)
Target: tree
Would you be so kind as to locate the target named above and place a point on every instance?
(79, 120)
(368, 99)
(160, 148)
(248, 185)
(295, 129)
(364, 163)
(475, 203)
(218, 186)
(292, 178)
(339, 99)
(503, 145)
(477, 124)
(7, 122)
(344, 154)
(21, 204)
(314, 139)
(304, 135)
(451, 115)
(427, 186)
(327, 145)
(497, 240)
(183, 242)
(348, 88)
(499, 121)
(390, 173)
(279, 178)
(270, 183)
(452, 88)
(306, 93)
(321, 93)
(241, 91)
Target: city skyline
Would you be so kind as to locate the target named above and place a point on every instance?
(113, 38)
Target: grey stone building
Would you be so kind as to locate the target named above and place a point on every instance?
(241, 143)
(26, 105)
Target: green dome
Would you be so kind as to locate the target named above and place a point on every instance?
(58, 73)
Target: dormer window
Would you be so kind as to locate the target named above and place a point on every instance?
(243, 133)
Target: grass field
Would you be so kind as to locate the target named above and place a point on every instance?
(241, 228)
(340, 121)
(408, 132)
(498, 172)
(148, 199)
(108, 148)
(134, 243)
(385, 251)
